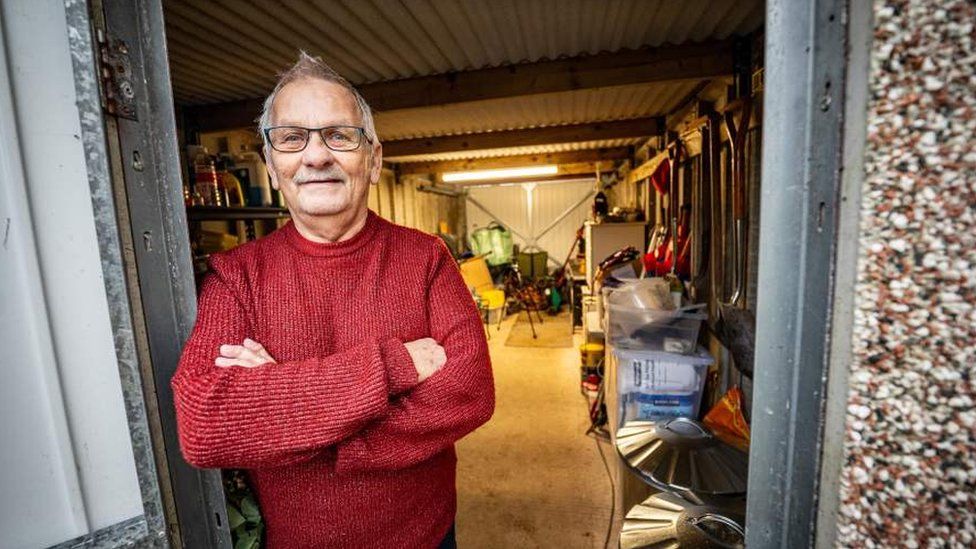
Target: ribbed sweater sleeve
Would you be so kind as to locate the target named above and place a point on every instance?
(275, 414)
(448, 405)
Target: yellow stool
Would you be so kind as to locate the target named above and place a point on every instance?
(494, 298)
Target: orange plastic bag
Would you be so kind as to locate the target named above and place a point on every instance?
(726, 421)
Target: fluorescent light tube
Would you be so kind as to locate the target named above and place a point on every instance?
(503, 173)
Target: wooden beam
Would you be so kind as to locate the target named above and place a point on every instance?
(667, 63)
(687, 131)
(646, 169)
(573, 133)
(235, 115)
(578, 168)
(569, 157)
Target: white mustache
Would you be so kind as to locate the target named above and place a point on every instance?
(305, 177)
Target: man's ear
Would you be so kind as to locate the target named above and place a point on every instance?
(376, 163)
(271, 172)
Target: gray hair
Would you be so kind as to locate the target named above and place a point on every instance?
(313, 67)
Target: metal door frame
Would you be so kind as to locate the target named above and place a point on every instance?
(809, 197)
(813, 141)
(143, 166)
(147, 527)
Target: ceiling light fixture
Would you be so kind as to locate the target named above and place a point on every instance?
(503, 173)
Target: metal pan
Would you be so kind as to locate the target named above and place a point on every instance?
(681, 455)
(668, 520)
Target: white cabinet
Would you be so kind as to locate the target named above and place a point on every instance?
(603, 239)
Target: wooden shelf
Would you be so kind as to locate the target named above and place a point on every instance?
(215, 213)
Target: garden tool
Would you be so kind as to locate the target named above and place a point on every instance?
(711, 142)
(700, 225)
(737, 325)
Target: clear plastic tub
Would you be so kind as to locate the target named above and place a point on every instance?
(653, 384)
(631, 327)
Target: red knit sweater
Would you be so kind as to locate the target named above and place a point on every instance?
(344, 448)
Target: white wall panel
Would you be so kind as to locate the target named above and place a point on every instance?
(40, 500)
(510, 204)
(551, 201)
(66, 461)
(505, 202)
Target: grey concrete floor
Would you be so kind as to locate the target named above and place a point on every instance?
(531, 477)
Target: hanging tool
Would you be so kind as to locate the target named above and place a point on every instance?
(670, 252)
(660, 181)
(674, 154)
(561, 276)
(700, 222)
(737, 144)
(737, 325)
(617, 259)
(682, 261)
(713, 144)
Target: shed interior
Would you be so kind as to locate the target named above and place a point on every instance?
(601, 94)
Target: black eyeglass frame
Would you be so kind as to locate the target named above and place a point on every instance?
(362, 135)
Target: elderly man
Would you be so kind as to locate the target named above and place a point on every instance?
(339, 358)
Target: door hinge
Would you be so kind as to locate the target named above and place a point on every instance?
(115, 69)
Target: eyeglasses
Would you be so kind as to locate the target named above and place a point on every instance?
(336, 138)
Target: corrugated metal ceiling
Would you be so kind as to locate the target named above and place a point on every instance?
(227, 50)
(548, 109)
(230, 49)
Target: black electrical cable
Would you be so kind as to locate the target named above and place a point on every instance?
(613, 492)
(599, 433)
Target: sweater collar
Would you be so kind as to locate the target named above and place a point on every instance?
(332, 249)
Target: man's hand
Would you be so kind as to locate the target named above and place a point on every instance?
(428, 357)
(248, 355)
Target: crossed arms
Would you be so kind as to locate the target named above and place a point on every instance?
(381, 404)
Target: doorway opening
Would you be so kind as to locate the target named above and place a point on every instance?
(653, 125)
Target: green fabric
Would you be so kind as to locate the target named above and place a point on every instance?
(493, 241)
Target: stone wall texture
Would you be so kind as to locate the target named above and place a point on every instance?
(909, 479)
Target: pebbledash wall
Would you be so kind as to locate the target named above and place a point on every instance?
(909, 475)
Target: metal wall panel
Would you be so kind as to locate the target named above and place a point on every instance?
(384, 196)
(551, 203)
(529, 209)
(146, 172)
(506, 201)
(67, 465)
(401, 203)
(42, 501)
(428, 209)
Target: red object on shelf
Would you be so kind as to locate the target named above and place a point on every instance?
(658, 262)
(591, 383)
(661, 177)
(206, 182)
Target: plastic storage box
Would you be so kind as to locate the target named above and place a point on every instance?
(632, 327)
(653, 384)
